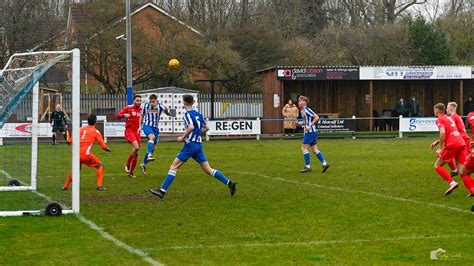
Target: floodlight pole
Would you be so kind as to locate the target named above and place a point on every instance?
(128, 35)
(213, 94)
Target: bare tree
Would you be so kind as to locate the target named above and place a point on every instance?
(28, 24)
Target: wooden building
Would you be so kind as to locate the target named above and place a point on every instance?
(362, 91)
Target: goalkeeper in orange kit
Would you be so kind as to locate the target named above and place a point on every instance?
(89, 135)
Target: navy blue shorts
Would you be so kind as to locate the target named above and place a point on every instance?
(151, 130)
(310, 138)
(192, 150)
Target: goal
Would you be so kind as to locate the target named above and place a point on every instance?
(32, 170)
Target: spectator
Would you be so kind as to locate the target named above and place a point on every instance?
(290, 113)
(468, 106)
(401, 108)
(413, 108)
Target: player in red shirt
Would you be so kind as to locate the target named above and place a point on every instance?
(132, 115)
(89, 135)
(468, 168)
(470, 120)
(451, 110)
(452, 146)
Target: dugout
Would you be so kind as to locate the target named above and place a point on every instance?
(344, 91)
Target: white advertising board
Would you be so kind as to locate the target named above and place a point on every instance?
(116, 129)
(418, 124)
(415, 72)
(23, 130)
(234, 127)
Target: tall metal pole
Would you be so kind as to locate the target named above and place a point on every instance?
(128, 35)
(213, 98)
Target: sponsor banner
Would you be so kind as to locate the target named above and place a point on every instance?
(234, 127)
(415, 72)
(418, 124)
(318, 73)
(116, 129)
(23, 130)
(334, 125)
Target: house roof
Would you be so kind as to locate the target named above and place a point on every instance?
(78, 15)
(155, 6)
(168, 90)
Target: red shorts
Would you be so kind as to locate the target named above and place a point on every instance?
(469, 165)
(90, 160)
(132, 135)
(448, 154)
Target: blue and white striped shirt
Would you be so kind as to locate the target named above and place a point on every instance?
(194, 117)
(151, 115)
(307, 115)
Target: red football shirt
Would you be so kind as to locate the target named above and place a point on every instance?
(470, 119)
(460, 126)
(452, 138)
(133, 121)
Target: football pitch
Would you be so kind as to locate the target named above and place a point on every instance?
(380, 202)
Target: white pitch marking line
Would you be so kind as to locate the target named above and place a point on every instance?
(143, 255)
(316, 242)
(357, 191)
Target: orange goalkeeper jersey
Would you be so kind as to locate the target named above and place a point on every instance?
(89, 135)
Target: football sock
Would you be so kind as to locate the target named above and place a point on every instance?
(54, 138)
(100, 176)
(68, 181)
(150, 150)
(130, 159)
(451, 165)
(220, 176)
(321, 158)
(306, 159)
(468, 183)
(134, 163)
(65, 137)
(151, 147)
(444, 174)
(168, 180)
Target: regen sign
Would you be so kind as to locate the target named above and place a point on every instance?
(234, 127)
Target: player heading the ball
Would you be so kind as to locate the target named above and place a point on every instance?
(151, 112)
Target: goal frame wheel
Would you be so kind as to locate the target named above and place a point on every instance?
(14, 183)
(53, 209)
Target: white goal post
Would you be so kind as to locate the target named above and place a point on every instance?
(16, 81)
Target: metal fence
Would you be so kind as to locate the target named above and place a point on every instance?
(225, 105)
(231, 105)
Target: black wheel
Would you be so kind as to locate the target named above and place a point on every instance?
(54, 209)
(14, 183)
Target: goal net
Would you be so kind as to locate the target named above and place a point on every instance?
(32, 169)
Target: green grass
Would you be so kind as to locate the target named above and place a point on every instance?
(278, 215)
